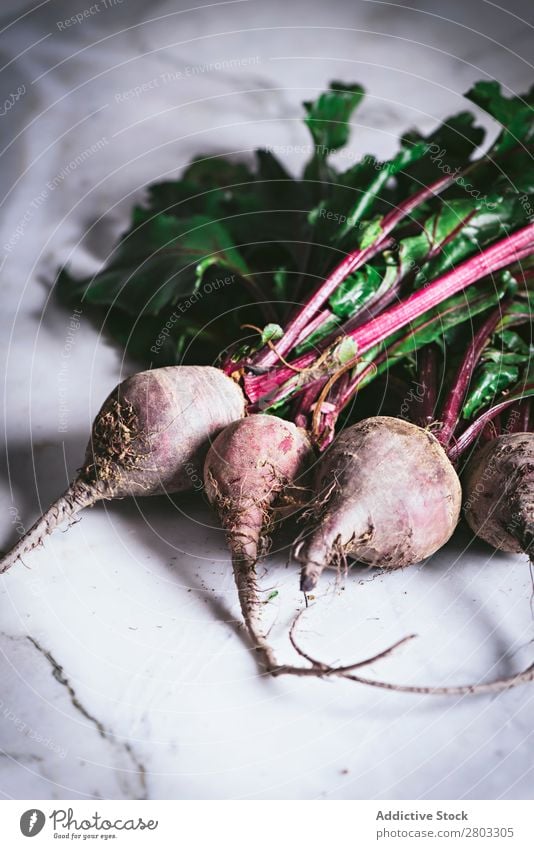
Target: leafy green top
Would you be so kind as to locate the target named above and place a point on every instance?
(230, 243)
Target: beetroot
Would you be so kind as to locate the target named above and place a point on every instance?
(253, 471)
(499, 493)
(385, 494)
(149, 438)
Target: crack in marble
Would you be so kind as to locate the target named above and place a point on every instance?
(59, 675)
(21, 757)
(141, 769)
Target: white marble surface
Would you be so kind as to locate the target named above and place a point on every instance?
(123, 674)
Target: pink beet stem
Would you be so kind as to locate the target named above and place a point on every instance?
(323, 316)
(428, 378)
(474, 430)
(453, 404)
(383, 301)
(355, 383)
(306, 400)
(508, 250)
(351, 263)
(352, 387)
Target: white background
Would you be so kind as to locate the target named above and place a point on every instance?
(124, 672)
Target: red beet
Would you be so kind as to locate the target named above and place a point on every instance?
(385, 494)
(252, 470)
(150, 437)
(499, 493)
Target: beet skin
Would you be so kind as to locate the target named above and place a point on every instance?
(385, 494)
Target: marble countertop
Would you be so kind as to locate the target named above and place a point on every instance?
(124, 671)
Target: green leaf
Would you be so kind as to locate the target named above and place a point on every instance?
(346, 350)
(438, 231)
(211, 185)
(458, 136)
(447, 148)
(494, 217)
(356, 291)
(487, 384)
(327, 117)
(498, 369)
(271, 169)
(514, 114)
(384, 172)
(160, 261)
(513, 342)
(356, 193)
(371, 233)
(271, 333)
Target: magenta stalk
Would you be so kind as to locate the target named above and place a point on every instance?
(350, 263)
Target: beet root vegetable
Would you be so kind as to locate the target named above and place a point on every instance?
(385, 494)
(499, 493)
(253, 461)
(149, 438)
(249, 474)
